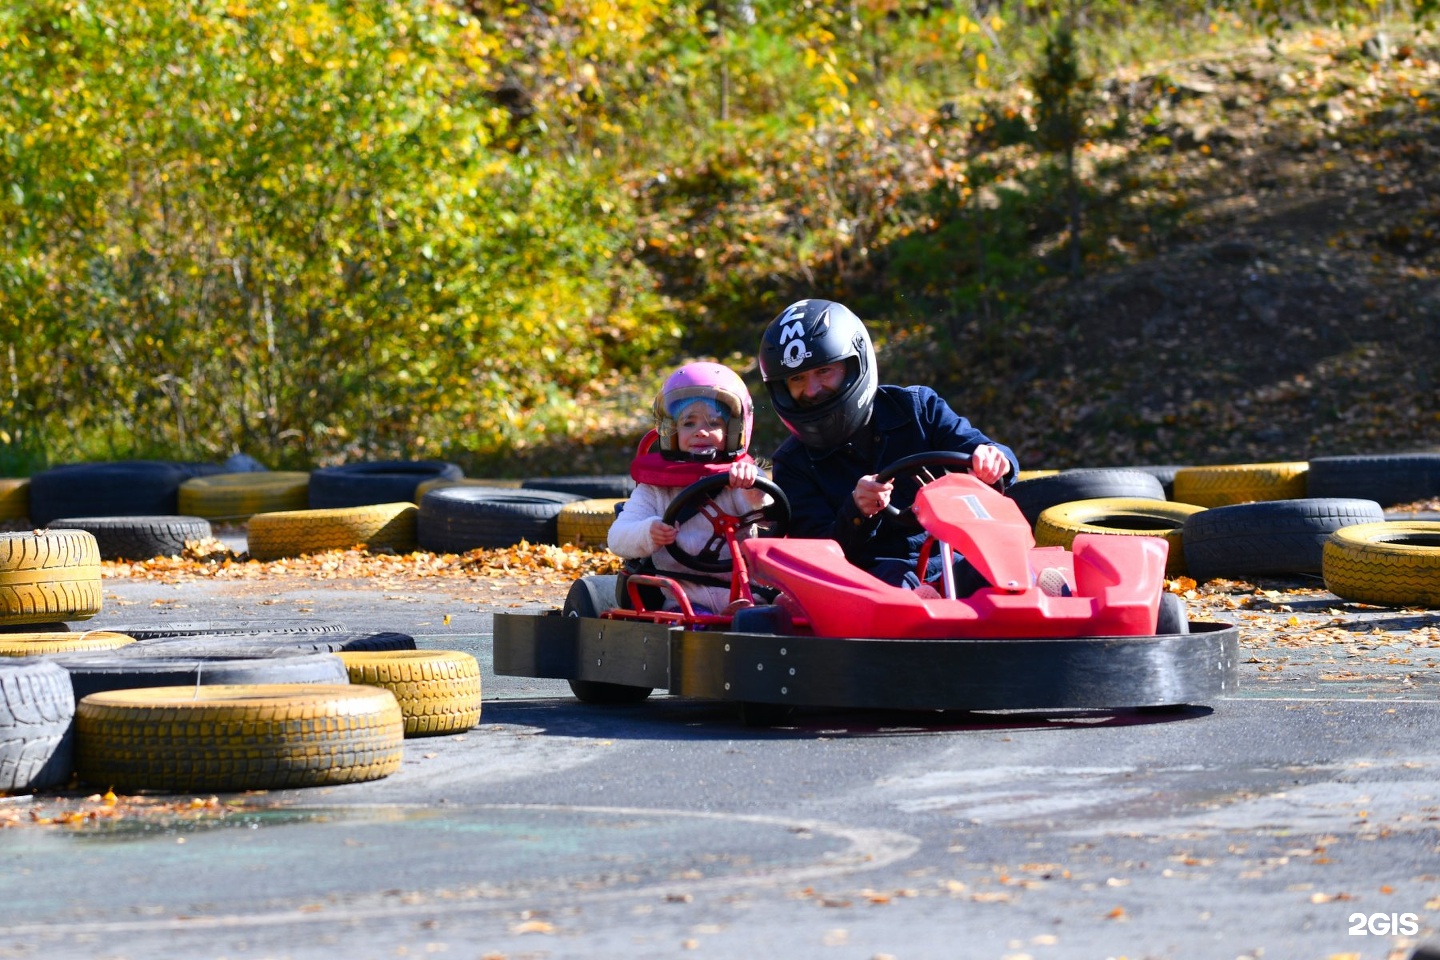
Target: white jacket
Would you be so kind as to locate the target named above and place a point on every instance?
(630, 536)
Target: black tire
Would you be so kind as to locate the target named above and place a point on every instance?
(1165, 473)
(609, 487)
(1173, 618)
(127, 488)
(205, 628)
(590, 597)
(766, 618)
(1040, 493)
(381, 481)
(36, 710)
(57, 627)
(260, 644)
(96, 672)
(460, 519)
(1268, 537)
(138, 538)
(1389, 480)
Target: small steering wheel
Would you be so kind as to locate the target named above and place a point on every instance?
(920, 467)
(699, 498)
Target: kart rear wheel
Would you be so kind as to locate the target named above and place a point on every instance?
(1172, 618)
(590, 597)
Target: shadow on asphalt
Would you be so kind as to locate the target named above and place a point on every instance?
(667, 718)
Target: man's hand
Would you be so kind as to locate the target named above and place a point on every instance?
(988, 464)
(871, 496)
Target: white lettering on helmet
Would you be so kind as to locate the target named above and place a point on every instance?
(795, 353)
(792, 334)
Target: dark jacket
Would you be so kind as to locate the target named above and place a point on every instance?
(819, 483)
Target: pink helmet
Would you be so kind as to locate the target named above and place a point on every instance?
(716, 383)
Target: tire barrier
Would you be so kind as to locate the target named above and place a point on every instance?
(1391, 563)
(138, 538)
(205, 628)
(379, 481)
(14, 498)
(438, 690)
(1165, 473)
(1390, 480)
(586, 523)
(126, 488)
(460, 519)
(131, 667)
(237, 737)
(1222, 486)
(294, 533)
(36, 710)
(1268, 538)
(234, 497)
(36, 644)
(1037, 495)
(259, 644)
(598, 488)
(428, 485)
(49, 575)
(1126, 516)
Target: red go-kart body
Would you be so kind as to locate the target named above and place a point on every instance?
(1114, 583)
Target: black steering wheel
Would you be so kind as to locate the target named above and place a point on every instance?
(922, 468)
(699, 497)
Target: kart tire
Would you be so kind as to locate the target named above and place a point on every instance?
(586, 523)
(1392, 563)
(294, 533)
(228, 738)
(139, 538)
(1268, 538)
(1393, 480)
(49, 575)
(14, 498)
(590, 597)
(127, 488)
(132, 668)
(236, 497)
(612, 486)
(1173, 617)
(380, 481)
(261, 644)
(1057, 526)
(438, 690)
(1039, 494)
(39, 644)
(461, 519)
(765, 618)
(36, 710)
(206, 628)
(1229, 484)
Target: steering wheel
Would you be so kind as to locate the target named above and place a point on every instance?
(921, 468)
(699, 498)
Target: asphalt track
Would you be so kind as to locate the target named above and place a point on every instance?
(1296, 819)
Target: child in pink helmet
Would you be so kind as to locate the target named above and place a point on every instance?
(703, 420)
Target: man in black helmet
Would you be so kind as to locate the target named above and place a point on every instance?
(819, 368)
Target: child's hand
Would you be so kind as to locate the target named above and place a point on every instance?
(662, 534)
(743, 473)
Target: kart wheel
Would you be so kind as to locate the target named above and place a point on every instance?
(754, 714)
(1172, 618)
(590, 597)
(762, 619)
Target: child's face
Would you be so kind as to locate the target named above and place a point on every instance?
(700, 429)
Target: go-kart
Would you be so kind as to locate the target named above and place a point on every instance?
(1086, 627)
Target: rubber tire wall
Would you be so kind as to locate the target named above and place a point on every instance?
(139, 538)
(1229, 484)
(295, 533)
(239, 496)
(1268, 538)
(460, 519)
(125, 488)
(1039, 494)
(438, 690)
(127, 669)
(381, 481)
(36, 709)
(1120, 516)
(1388, 480)
(1391, 563)
(48, 576)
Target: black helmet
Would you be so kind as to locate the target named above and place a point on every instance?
(809, 334)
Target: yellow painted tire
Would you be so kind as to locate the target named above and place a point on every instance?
(438, 690)
(237, 737)
(439, 483)
(49, 575)
(1221, 486)
(14, 498)
(1032, 474)
(1127, 516)
(1391, 563)
(294, 533)
(586, 523)
(34, 644)
(239, 496)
